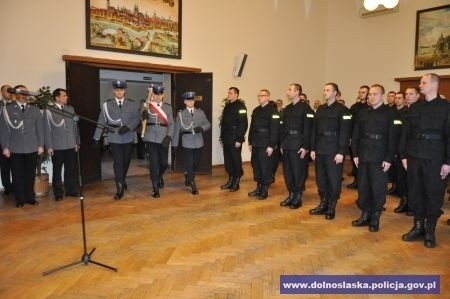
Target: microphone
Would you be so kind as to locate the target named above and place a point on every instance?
(22, 92)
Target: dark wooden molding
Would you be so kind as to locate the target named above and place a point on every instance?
(130, 65)
(406, 79)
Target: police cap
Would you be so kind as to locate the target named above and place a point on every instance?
(119, 84)
(188, 95)
(158, 89)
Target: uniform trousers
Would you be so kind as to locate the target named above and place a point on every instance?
(5, 167)
(372, 181)
(233, 160)
(328, 177)
(402, 185)
(158, 156)
(121, 155)
(262, 165)
(426, 189)
(191, 158)
(68, 158)
(294, 169)
(23, 168)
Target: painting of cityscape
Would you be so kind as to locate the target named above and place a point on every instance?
(146, 27)
(432, 38)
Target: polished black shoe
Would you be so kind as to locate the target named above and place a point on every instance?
(155, 194)
(353, 185)
(58, 198)
(264, 192)
(19, 204)
(227, 185)
(417, 232)
(257, 190)
(296, 202)
(320, 209)
(363, 220)
(33, 202)
(402, 206)
(119, 193)
(194, 190)
(234, 185)
(430, 237)
(331, 211)
(288, 200)
(374, 224)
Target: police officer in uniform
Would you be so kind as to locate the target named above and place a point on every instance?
(361, 104)
(374, 145)
(425, 153)
(5, 163)
(233, 125)
(122, 115)
(62, 143)
(297, 122)
(22, 141)
(158, 134)
(263, 137)
(190, 124)
(400, 111)
(329, 142)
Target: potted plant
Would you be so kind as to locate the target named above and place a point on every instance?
(43, 100)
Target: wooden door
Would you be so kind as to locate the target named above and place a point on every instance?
(201, 83)
(82, 82)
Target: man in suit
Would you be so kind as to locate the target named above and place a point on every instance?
(158, 134)
(190, 124)
(5, 163)
(122, 116)
(62, 143)
(23, 140)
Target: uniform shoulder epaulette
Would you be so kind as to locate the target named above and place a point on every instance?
(109, 100)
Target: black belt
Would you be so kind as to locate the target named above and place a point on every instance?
(291, 132)
(262, 130)
(114, 126)
(328, 133)
(159, 125)
(373, 136)
(188, 132)
(427, 136)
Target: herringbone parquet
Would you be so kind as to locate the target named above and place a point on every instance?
(215, 245)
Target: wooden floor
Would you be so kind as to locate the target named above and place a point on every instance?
(215, 245)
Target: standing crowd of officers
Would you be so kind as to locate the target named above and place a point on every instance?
(411, 142)
(407, 144)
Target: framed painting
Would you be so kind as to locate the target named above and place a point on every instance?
(145, 27)
(432, 38)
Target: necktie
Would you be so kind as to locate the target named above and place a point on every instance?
(62, 108)
(23, 108)
(120, 104)
(192, 112)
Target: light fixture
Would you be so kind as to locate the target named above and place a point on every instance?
(389, 3)
(371, 5)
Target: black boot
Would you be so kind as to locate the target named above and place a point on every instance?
(321, 208)
(331, 211)
(402, 206)
(234, 184)
(264, 192)
(417, 232)
(194, 190)
(227, 185)
(374, 224)
(430, 228)
(119, 192)
(297, 201)
(353, 185)
(155, 192)
(257, 191)
(288, 200)
(363, 220)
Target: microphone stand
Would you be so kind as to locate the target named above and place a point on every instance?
(86, 257)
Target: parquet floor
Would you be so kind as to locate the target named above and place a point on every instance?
(215, 245)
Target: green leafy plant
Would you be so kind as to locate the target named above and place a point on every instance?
(42, 101)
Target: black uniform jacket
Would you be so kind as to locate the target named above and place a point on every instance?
(297, 121)
(264, 127)
(234, 122)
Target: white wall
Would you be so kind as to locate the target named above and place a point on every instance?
(372, 50)
(309, 42)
